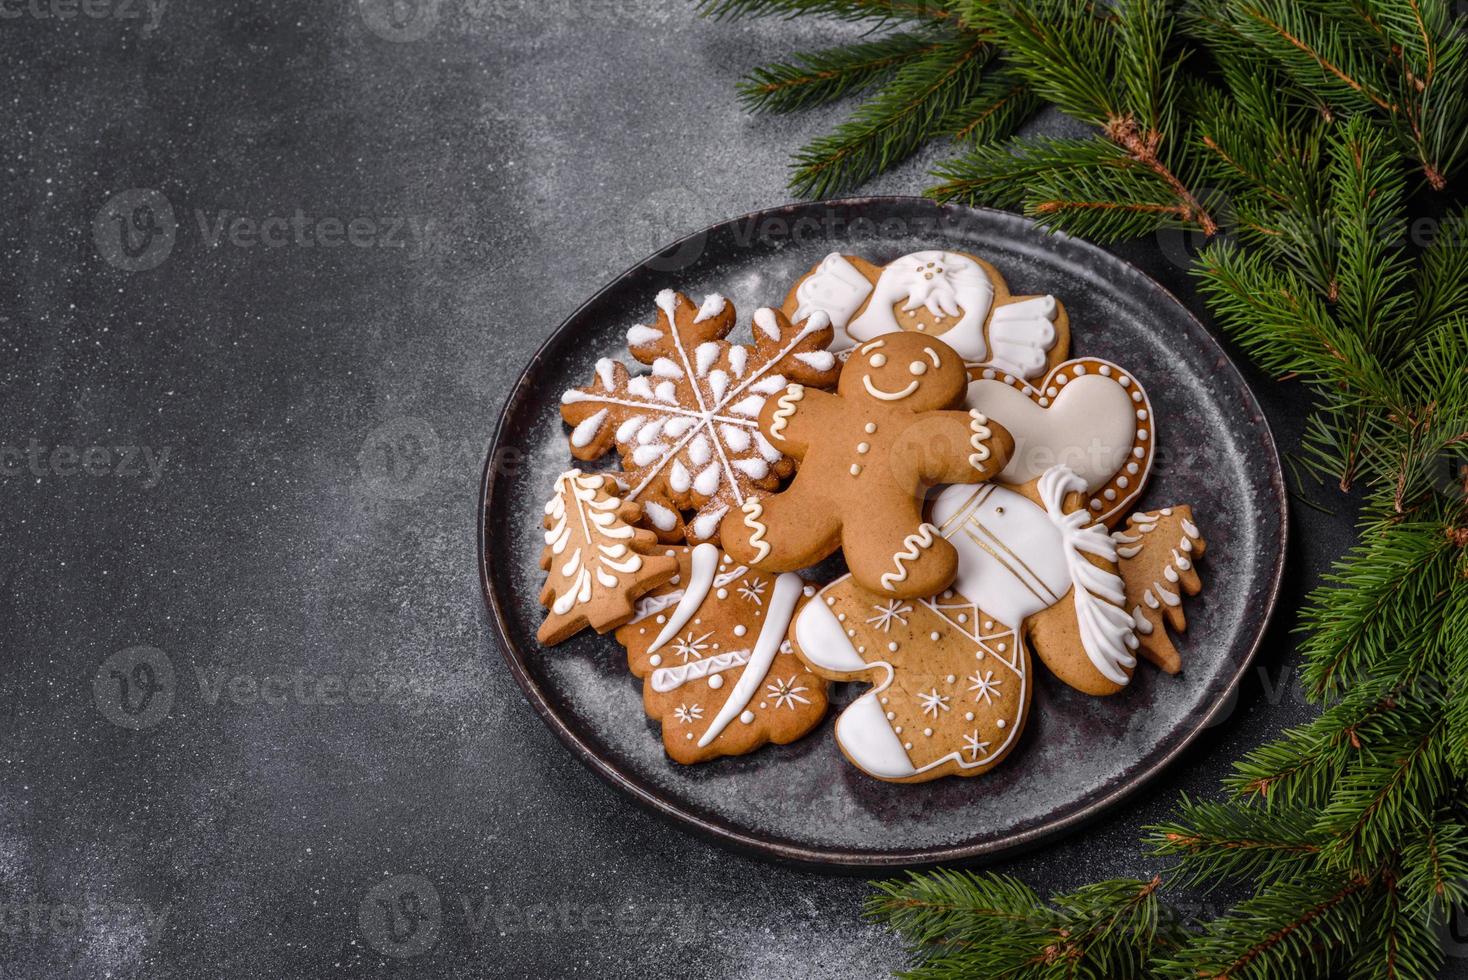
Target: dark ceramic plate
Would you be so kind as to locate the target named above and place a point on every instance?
(1079, 755)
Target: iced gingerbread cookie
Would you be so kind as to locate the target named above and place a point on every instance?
(712, 650)
(951, 673)
(868, 452)
(1159, 552)
(1087, 414)
(687, 431)
(958, 298)
(595, 561)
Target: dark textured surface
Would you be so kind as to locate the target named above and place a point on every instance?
(1080, 756)
(324, 411)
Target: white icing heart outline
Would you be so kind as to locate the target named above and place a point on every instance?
(1113, 498)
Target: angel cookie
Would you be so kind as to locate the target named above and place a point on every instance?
(595, 561)
(958, 298)
(952, 673)
(687, 431)
(868, 452)
(717, 668)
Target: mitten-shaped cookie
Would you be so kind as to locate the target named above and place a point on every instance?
(868, 453)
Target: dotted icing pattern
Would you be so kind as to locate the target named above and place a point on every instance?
(1108, 502)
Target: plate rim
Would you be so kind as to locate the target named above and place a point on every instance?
(842, 859)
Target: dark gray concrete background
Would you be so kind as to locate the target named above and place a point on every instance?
(292, 533)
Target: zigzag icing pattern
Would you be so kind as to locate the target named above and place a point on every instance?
(785, 407)
(666, 679)
(913, 546)
(753, 511)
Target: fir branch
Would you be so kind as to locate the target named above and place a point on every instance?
(1215, 842)
(967, 924)
(887, 130)
(1000, 105)
(1296, 124)
(1369, 598)
(1437, 879)
(1376, 802)
(1366, 190)
(879, 11)
(1397, 946)
(820, 77)
(1283, 929)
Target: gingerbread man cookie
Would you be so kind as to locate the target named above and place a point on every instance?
(717, 668)
(595, 561)
(958, 298)
(868, 452)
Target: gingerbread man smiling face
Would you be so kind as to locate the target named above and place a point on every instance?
(869, 452)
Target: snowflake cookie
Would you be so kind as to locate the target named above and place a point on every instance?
(595, 561)
(712, 649)
(687, 431)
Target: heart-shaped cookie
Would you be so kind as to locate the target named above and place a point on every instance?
(1087, 414)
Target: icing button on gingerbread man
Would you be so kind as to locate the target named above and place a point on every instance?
(868, 453)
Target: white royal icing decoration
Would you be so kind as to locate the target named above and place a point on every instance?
(1017, 559)
(788, 588)
(1087, 427)
(720, 430)
(705, 562)
(864, 730)
(597, 522)
(836, 288)
(1099, 595)
(947, 284)
(1022, 335)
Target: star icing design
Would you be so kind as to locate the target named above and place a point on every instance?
(753, 590)
(785, 693)
(688, 646)
(887, 612)
(973, 746)
(933, 702)
(985, 687)
(688, 714)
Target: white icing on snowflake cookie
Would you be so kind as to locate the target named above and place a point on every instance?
(687, 431)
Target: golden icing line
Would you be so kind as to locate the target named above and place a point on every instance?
(980, 494)
(1018, 560)
(1001, 560)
